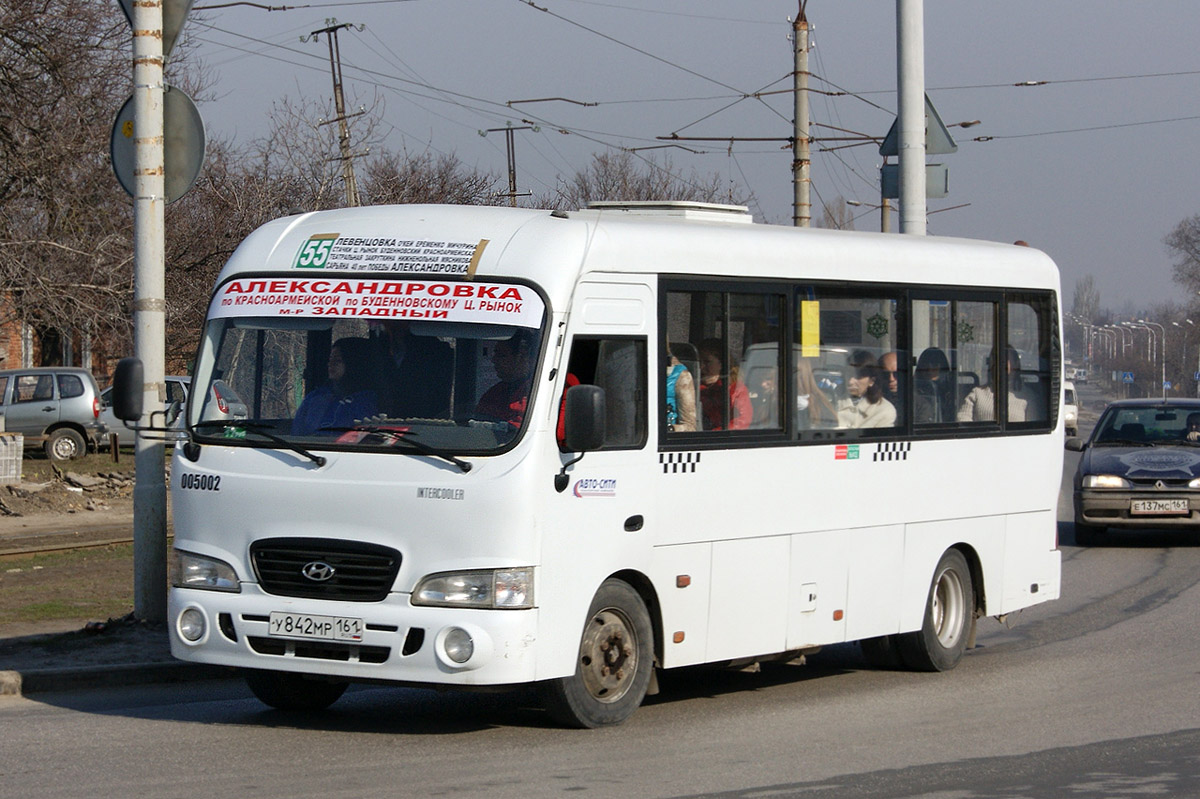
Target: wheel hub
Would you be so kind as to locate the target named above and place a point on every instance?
(608, 656)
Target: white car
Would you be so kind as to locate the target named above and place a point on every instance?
(1070, 409)
(177, 394)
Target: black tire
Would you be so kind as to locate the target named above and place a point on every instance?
(615, 663)
(949, 615)
(64, 444)
(287, 691)
(1086, 535)
(883, 652)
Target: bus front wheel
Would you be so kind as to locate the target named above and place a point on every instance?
(287, 691)
(614, 665)
(949, 614)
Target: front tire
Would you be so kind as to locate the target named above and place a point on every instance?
(65, 444)
(949, 616)
(614, 666)
(287, 691)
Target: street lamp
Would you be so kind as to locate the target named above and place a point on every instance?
(885, 224)
(1162, 354)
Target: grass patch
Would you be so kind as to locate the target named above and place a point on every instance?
(86, 584)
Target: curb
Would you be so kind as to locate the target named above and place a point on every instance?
(17, 683)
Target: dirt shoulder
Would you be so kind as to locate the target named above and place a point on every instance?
(66, 560)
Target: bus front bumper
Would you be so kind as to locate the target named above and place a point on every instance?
(395, 641)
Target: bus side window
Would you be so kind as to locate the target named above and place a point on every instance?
(617, 365)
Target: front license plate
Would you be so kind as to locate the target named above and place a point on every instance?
(325, 628)
(1158, 507)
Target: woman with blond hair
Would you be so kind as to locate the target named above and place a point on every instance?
(813, 408)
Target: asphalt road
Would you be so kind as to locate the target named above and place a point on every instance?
(1094, 696)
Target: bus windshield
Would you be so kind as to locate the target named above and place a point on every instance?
(303, 376)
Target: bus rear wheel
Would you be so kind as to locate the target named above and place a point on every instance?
(614, 666)
(287, 691)
(949, 614)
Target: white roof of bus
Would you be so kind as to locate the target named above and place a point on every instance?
(549, 248)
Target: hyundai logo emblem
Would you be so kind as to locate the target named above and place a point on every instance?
(318, 571)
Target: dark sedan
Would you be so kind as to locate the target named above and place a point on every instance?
(1140, 468)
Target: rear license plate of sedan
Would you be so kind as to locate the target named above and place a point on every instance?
(1158, 507)
(322, 628)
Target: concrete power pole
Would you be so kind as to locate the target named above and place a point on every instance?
(339, 101)
(149, 311)
(910, 79)
(802, 160)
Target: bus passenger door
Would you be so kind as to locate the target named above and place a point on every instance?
(607, 504)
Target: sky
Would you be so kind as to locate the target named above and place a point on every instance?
(1095, 166)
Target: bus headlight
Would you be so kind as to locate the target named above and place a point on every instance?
(198, 571)
(1105, 481)
(485, 588)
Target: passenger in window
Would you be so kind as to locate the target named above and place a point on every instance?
(724, 400)
(865, 406)
(346, 398)
(933, 391)
(813, 408)
(889, 374)
(1193, 427)
(980, 404)
(513, 359)
(681, 396)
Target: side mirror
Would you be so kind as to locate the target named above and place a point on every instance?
(585, 418)
(129, 387)
(1076, 444)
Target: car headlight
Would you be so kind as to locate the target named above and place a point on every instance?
(484, 588)
(1105, 481)
(1194, 483)
(198, 571)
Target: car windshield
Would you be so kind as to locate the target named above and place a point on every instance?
(344, 364)
(1147, 426)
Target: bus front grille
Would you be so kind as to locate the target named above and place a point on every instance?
(325, 569)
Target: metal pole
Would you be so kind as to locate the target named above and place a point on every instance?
(511, 146)
(910, 69)
(149, 311)
(802, 158)
(339, 104)
(1162, 354)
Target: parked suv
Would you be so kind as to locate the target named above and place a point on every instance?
(59, 402)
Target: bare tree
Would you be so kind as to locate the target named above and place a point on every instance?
(621, 176)
(836, 215)
(1184, 242)
(1086, 303)
(64, 223)
(400, 178)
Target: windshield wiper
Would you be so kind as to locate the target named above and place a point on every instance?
(406, 437)
(264, 431)
(1124, 442)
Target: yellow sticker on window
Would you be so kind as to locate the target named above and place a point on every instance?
(810, 328)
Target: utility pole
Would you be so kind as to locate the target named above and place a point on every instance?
(339, 102)
(802, 159)
(149, 310)
(910, 74)
(511, 147)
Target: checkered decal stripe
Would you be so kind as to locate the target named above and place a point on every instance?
(892, 451)
(679, 462)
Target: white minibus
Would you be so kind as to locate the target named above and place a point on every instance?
(431, 445)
